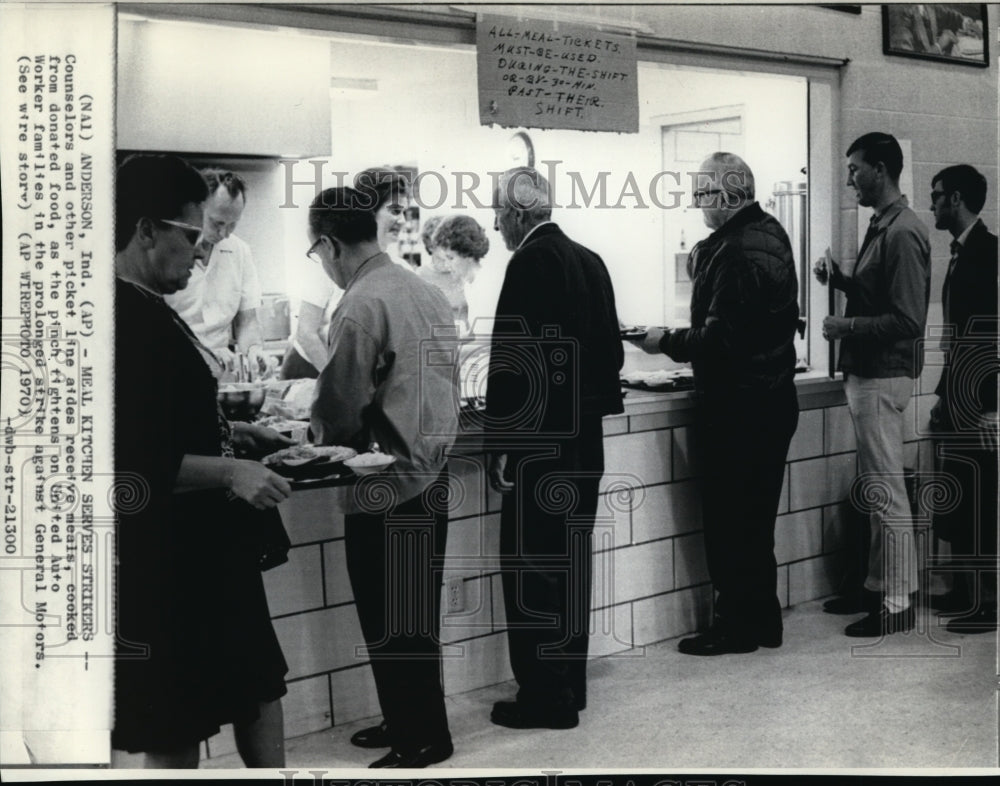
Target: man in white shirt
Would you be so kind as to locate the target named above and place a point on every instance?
(220, 301)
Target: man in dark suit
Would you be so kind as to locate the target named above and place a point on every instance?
(966, 411)
(554, 363)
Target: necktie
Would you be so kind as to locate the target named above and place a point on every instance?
(869, 236)
(946, 340)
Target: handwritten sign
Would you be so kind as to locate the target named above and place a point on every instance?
(546, 74)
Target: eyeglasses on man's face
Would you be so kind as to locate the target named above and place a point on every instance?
(312, 253)
(192, 234)
(705, 195)
(936, 194)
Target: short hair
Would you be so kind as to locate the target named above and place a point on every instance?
(379, 184)
(967, 181)
(427, 233)
(156, 187)
(343, 213)
(234, 184)
(464, 236)
(737, 177)
(523, 188)
(876, 147)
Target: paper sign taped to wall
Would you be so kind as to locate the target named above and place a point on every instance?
(545, 74)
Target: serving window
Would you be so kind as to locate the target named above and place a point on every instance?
(403, 93)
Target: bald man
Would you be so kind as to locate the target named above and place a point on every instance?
(744, 314)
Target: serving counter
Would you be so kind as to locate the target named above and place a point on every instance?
(650, 579)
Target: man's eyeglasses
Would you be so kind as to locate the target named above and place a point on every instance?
(192, 234)
(936, 194)
(703, 195)
(311, 253)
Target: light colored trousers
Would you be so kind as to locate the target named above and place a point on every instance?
(877, 407)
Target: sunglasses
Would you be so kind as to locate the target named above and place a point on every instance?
(192, 234)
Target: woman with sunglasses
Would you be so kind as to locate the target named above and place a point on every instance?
(195, 644)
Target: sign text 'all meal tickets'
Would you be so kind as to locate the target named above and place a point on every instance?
(546, 74)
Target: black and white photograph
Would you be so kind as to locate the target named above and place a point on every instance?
(536, 393)
(952, 32)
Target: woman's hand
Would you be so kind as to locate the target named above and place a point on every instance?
(258, 440)
(257, 485)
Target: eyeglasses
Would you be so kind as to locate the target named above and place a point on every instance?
(192, 234)
(311, 253)
(936, 194)
(701, 195)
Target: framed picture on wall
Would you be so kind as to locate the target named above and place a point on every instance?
(947, 32)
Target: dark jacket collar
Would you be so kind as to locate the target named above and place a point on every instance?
(978, 228)
(550, 228)
(744, 216)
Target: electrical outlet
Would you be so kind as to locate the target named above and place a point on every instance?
(455, 595)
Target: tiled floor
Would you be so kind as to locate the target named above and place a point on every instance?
(927, 699)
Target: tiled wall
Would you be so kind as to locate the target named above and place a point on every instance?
(650, 578)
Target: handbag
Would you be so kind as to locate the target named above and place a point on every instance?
(269, 537)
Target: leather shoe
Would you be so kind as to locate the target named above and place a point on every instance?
(954, 602)
(852, 604)
(515, 715)
(980, 621)
(372, 737)
(882, 623)
(421, 757)
(772, 639)
(716, 641)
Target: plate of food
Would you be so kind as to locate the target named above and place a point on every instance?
(634, 333)
(369, 463)
(301, 462)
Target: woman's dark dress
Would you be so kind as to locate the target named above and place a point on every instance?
(195, 644)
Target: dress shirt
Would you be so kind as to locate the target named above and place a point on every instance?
(391, 376)
(217, 291)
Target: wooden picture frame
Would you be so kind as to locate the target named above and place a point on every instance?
(945, 32)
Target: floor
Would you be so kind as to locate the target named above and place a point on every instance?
(927, 699)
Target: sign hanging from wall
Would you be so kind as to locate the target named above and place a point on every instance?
(546, 74)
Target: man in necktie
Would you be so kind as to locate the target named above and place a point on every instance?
(965, 414)
(881, 354)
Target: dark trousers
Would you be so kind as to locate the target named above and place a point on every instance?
(394, 560)
(546, 550)
(968, 517)
(742, 444)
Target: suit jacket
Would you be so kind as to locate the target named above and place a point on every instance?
(556, 350)
(970, 290)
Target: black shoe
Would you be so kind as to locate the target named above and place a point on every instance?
(982, 621)
(717, 641)
(515, 715)
(867, 602)
(771, 640)
(882, 623)
(954, 602)
(421, 757)
(372, 737)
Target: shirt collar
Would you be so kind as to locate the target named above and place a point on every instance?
(891, 210)
(960, 240)
(370, 264)
(531, 232)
